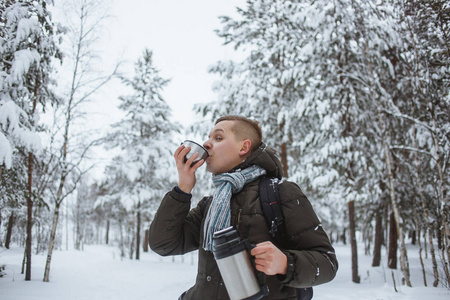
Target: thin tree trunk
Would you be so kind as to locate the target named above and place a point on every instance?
(138, 230)
(413, 236)
(284, 161)
(67, 226)
(428, 221)
(1, 244)
(404, 264)
(107, 232)
(38, 230)
(393, 246)
(424, 275)
(378, 240)
(24, 261)
(9, 230)
(145, 243)
(51, 243)
(122, 242)
(133, 238)
(443, 201)
(78, 234)
(29, 218)
(351, 217)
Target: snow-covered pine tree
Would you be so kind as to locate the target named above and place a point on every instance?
(144, 137)
(268, 84)
(335, 72)
(27, 48)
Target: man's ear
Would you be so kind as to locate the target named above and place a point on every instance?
(245, 148)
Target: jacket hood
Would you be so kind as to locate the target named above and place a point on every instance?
(266, 158)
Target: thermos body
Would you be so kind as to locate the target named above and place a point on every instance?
(235, 265)
(237, 273)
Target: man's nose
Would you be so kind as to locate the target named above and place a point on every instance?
(207, 145)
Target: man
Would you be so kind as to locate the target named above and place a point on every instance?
(237, 159)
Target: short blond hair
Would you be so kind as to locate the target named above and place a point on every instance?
(245, 129)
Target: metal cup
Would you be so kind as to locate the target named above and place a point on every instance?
(195, 148)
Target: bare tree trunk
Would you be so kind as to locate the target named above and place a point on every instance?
(145, 243)
(424, 275)
(38, 230)
(122, 242)
(425, 245)
(51, 243)
(24, 261)
(351, 217)
(413, 236)
(67, 226)
(89, 15)
(393, 246)
(138, 230)
(284, 161)
(428, 221)
(78, 234)
(378, 240)
(404, 264)
(9, 230)
(443, 200)
(107, 231)
(133, 238)
(1, 243)
(29, 218)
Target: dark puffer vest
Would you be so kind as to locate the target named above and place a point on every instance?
(176, 229)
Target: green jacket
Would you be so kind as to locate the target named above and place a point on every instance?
(176, 229)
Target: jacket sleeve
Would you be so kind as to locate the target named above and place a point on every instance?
(175, 228)
(311, 258)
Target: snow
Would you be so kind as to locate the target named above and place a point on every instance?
(5, 151)
(23, 60)
(98, 272)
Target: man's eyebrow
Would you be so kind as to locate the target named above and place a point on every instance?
(215, 130)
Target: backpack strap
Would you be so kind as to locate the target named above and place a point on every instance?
(269, 195)
(271, 206)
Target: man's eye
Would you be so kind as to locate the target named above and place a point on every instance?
(218, 138)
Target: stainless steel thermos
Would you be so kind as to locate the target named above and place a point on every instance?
(233, 260)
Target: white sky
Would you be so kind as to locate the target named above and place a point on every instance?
(181, 35)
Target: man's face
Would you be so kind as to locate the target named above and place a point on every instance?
(223, 148)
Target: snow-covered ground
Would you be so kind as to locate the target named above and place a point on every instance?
(98, 273)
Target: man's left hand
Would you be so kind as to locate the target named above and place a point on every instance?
(269, 259)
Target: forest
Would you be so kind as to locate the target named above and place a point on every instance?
(353, 95)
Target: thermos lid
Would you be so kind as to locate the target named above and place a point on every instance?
(227, 242)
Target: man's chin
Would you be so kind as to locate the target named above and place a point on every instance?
(212, 170)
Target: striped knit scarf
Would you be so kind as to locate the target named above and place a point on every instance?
(218, 216)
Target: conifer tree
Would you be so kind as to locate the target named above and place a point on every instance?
(28, 46)
(144, 137)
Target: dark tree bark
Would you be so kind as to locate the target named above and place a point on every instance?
(284, 161)
(9, 230)
(145, 243)
(107, 232)
(392, 254)
(29, 218)
(351, 217)
(138, 231)
(378, 240)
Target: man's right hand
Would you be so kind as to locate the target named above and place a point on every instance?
(186, 173)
